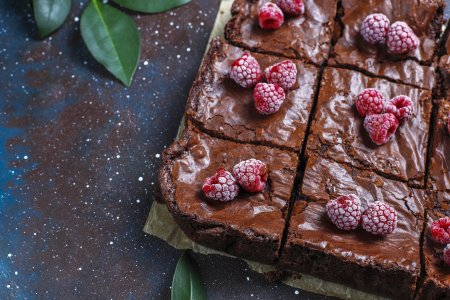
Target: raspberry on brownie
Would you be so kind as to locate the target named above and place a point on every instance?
(307, 36)
(250, 226)
(351, 50)
(388, 265)
(337, 131)
(224, 109)
(439, 173)
(437, 280)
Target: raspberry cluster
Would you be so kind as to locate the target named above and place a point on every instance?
(345, 212)
(271, 14)
(381, 117)
(399, 37)
(440, 231)
(268, 96)
(223, 186)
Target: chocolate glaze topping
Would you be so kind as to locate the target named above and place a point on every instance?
(307, 36)
(337, 131)
(440, 156)
(225, 109)
(424, 17)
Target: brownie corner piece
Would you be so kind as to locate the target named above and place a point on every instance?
(355, 258)
(416, 67)
(436, 284)
(224, 109)
(250, 226)
(307, 36)
(337, 131)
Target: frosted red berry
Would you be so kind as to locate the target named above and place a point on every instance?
(283, 74)
(246, 71)
(401, 107)
(344, 212)
(401, 38)
(251, 174)
(381, 127)
(270, 16)
(221, 187)
(379, 218)
(291, 7)
(440, 230)
(369, 102)
(446, 255)
(374, 28)
(268, 98)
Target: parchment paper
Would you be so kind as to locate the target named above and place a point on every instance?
(161, 224)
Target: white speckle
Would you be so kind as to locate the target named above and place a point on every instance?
(296, 292)
(25, 157)
(9, 254)
(87, 185)
(138, 201)
(248, 278)
(188, 49)
(34, 233)
(76, 19)
(251, 295)
(111, 242)
(16, 273)
(117, 156)
(79, 269)
(140, 178)
(146, 63)
(157, 155)
(8, 286)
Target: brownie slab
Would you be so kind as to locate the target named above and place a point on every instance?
(389, 265)
(307, 36)
(440, 150)
(337, 131)
(223, 108)
(437, 280)
(424, 17)
(250, 226)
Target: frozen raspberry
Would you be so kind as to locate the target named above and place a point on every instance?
(291, 7)
(446, 255)
(246, 71)
(440, 230)
(374, 28)
(283, 74)
(251, 174)
(369, 102)
(401, 38)
(268, 98)
(401, 107)
(379, 218)
(344, 212)
(270, 16)
(221, 187)
(381, 127)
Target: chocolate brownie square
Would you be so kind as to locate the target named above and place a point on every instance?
(250, 226)
(337, 131)
(437, 280)
(440, 150)
(444, 62)
(424, 17)
(388, 266)
(306, 37)
(224, 109)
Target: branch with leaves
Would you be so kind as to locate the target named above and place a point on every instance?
(111, 36)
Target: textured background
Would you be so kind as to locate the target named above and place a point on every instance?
(79, 155)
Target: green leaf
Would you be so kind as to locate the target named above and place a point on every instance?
(151, 6)
(50, 15)
(187, 283)
(112, 37)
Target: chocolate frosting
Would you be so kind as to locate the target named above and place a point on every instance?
(440, 158)
(424, 17)
(307, 36)
(260, 214)
(225, 109)
(338, 133)
(325, 180)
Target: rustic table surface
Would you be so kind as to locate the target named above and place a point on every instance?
(79, 155)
